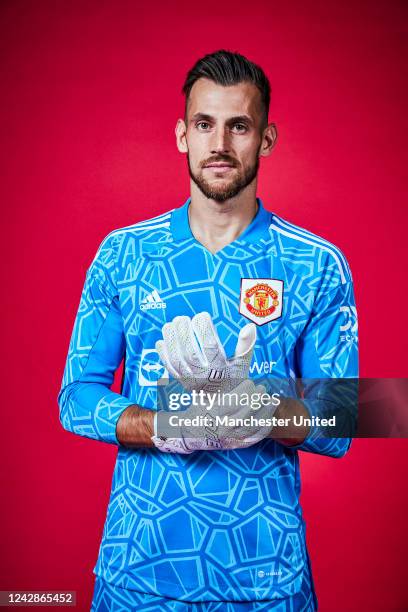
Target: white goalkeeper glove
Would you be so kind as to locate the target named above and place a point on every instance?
(192, 352)
(240, 418)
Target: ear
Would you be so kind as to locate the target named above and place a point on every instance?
(269, 137)
(181, 139)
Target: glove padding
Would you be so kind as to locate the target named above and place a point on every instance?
(192, 352)
(214, 435)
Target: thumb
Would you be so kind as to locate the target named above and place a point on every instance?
(246, 340)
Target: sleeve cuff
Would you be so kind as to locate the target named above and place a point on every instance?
(316, 441)
(107, 414)
(307, 443)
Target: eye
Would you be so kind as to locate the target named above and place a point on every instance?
(203, 125)
(239, 127)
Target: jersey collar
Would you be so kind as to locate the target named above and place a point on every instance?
(257, 229)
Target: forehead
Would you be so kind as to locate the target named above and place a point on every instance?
(216, 100)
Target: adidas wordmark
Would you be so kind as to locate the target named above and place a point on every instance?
(152, 301)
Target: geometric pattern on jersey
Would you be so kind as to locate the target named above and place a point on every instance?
(110, 598)
(212, 525)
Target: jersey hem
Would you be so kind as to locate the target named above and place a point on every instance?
(169, 592)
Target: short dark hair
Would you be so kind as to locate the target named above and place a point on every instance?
(228, 68)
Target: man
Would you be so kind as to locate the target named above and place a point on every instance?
(217, 290)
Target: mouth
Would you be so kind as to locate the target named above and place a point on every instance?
(219, 167)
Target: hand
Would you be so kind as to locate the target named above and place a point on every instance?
(192, 352)
(238, 419)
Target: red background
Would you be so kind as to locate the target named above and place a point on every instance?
(91, 94)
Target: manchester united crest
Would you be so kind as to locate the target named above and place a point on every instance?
(261, 299)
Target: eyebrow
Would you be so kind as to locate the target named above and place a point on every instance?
(201, 117)
(230, 121)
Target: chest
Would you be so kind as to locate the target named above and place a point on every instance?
(234, 287)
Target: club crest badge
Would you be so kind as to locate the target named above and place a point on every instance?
(261, 299)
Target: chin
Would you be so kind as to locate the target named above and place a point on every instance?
(221, 186)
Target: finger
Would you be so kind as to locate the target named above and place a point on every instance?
(188, 348)
(260, 389)
(161, 349)
(171, 348)
(208, 339)
(236, 402)
(240, 440)
(247, 387)
(235, 443)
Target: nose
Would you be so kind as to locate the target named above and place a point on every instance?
(220, 143)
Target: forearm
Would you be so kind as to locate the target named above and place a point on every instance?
(91, 410)
(135, 427)
(288, 433)
(312, 439)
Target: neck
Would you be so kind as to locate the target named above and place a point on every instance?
(216, 224)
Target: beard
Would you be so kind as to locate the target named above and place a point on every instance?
(229, 189)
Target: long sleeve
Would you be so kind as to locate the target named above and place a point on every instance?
(87, 405)
(327, 360)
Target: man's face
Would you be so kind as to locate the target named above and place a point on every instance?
(223, 137)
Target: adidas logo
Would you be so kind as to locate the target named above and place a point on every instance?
(216, 375)
(152, 301)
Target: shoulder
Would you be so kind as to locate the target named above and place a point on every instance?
(298, 242)
(155, 229)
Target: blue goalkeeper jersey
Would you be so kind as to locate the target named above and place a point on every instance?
(211, 525)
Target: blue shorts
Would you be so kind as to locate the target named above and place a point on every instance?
(110, 598)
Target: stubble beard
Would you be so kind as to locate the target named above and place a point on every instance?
(231, 189)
